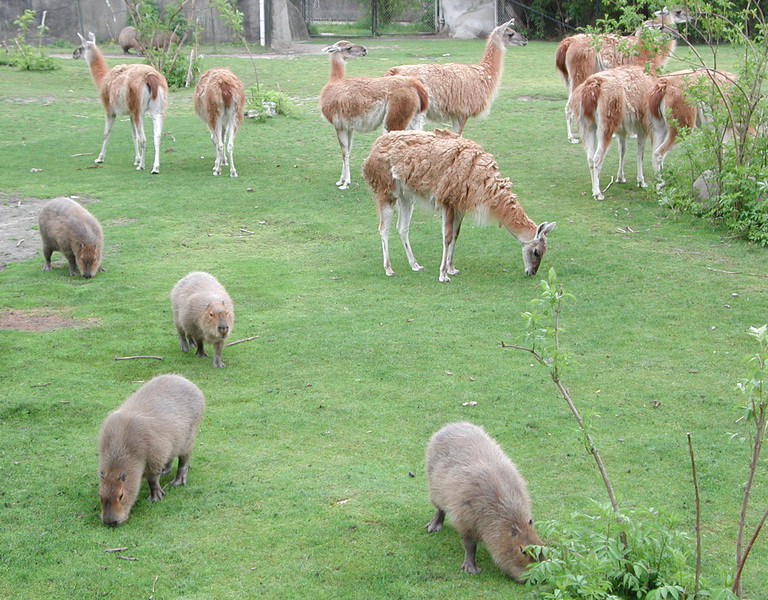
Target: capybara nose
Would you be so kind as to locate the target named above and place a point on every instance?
(530, 272)
(87, 275)
(223, 329)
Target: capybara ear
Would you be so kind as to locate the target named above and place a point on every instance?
(101, 475)
(122, 477)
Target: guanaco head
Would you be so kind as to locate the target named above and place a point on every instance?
(117, 498)
(664, 20)
(81, 49)
(534, 250)
(509, 37)
(346, 49)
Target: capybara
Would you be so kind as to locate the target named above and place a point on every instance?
(127, 39)
(162, 39)
(69, 228)
(154, 425)
(202, 312)
(472, 481)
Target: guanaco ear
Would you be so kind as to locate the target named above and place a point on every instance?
(544, 229)
(91, 37)
(331, 49)
(82, 39)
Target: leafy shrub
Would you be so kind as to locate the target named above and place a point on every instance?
(176, 71)
(25, 57)
(262, 104)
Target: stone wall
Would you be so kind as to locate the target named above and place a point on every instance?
(105, 18)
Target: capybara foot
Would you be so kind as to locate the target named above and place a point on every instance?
(46, 266)
(436, 524)
(180, 479)
(156, 493)
(166, 468)
(470, 567)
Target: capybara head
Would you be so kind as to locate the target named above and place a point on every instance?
(534, 250)
(88, 259)
(218, 320)
(514, 558)
(117, 497)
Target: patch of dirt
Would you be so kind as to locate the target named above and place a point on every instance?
(39, 319)
(19, 239)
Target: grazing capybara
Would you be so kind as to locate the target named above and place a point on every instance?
(127, 39)
(202, 312)
(162, 39)
(154, 425)
(69, 228)
(472, 481)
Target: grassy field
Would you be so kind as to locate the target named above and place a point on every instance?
(307, 479)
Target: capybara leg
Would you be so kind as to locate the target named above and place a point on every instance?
(200, 351)
(217, 348)
(47, 258)
(181, 471)
(183, 342)
(469, 565)
(436, 524)
(155, 491)
(166, 468)
(72, 265)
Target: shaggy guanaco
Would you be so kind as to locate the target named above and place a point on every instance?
(459, 91)
(133, 89)
(365, 103)
(219, 101)
(581, 55)
(454, 175)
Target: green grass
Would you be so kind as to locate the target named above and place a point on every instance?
(299, 486)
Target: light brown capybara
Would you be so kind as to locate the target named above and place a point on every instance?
(202, 312)
(69, 228)
(472, 481)
(162, 39)
(154, 425)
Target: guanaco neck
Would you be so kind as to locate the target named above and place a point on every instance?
(508, 212)
(338, 66)
(96, 63)
(492, 61)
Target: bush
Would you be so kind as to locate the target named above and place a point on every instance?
(27, 58)
(267, 103)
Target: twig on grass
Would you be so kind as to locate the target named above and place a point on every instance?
(248, 339)
(134, 357)
(40, 384)
(120, 556)
(116, 549)
(736, 272)
(81, 154)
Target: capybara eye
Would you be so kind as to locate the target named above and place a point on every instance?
(530, 522)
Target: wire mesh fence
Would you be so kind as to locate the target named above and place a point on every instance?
(370, 17)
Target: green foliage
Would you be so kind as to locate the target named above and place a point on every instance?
(25, 57)
(267, 103)
(176, 72)
(731, 152)
(597, 556)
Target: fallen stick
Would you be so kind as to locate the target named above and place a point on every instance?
(120, 556)
(134, 357)
(115, 549)
(248, 339)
